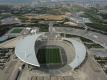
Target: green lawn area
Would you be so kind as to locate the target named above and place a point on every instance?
(16, 30)
(43, 28)
(49, 56)
(94, 45)
(97, 22)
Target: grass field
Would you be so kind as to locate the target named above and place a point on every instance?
(49, 56)
(16, 30)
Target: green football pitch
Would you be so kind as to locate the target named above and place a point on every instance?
(49, 56)
(16, 30)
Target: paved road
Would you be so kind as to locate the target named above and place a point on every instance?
(96, 37)
(11, 43)
(99, 52)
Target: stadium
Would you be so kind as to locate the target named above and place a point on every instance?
(50, 51)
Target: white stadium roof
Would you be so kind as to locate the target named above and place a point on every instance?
(25, 49)
(80, 52)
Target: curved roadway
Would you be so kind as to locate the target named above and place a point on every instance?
(94, 36)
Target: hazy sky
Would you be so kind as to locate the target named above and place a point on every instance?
(28, 1)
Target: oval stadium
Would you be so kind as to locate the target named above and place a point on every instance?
(50, 52)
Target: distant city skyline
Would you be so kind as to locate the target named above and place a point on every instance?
(45, 2)
(29, 1)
